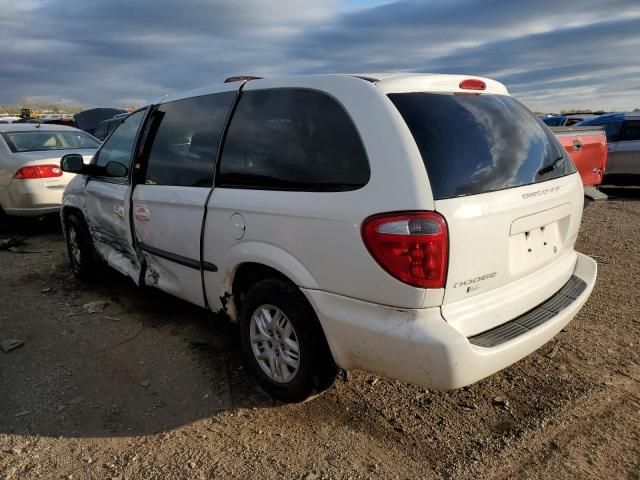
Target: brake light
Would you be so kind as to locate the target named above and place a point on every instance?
(413, 247)
(38, 171)
(472, 84)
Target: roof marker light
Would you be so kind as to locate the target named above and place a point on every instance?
(472, 84)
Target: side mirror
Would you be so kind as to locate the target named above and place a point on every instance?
(72, 163)
(116, 169)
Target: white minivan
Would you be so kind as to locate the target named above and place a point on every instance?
(417, 226)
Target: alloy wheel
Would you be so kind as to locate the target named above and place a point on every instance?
(274, 343)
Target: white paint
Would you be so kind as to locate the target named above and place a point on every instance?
(418, 346)
(372, 321)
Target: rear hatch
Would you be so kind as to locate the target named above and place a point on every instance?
(506, 189)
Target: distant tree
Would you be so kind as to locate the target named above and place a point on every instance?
(39, 107)
(572, 111)
(636, 109)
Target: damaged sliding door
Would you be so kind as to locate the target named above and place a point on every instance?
(169, 202)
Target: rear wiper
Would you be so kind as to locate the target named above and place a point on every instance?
(550, 168)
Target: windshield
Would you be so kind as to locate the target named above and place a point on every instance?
(474, 144)
(42, 140)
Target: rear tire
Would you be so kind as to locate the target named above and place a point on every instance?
(80, 247)
(283, 342)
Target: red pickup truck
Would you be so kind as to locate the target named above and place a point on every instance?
(588, 149)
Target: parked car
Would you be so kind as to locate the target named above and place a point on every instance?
(623, 136)
(88, 120)
(567, 120)
(417, 226)
(55, 120)
(31, 181)
(105, 127)
(8, 119)
(587, 147)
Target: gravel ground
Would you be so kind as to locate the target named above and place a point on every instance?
(150, 387)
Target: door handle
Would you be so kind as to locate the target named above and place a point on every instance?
(141, 213)
(118, 210)
(577, 145)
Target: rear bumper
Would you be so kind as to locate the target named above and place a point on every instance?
(419, 346)
(30, 198)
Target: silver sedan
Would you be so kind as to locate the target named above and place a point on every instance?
(31, 181)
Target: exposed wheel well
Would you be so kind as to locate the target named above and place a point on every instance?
(66, 211)
(249, 274)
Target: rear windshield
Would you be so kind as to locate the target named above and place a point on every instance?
(42, 140)
(474, 144)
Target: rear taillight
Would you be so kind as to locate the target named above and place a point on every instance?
(411, 246)
(38, 171)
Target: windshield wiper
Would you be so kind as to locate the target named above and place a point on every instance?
(545, 170)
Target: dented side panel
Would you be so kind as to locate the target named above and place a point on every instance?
(170, 277)
(107, 212)
(104, 207)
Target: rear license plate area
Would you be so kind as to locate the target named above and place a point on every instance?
(534, 247)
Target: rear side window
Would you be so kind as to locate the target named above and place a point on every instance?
(474, 144)
(630, 130)
(186, 141)
(292, 139)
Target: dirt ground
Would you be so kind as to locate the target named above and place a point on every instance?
(152, 387)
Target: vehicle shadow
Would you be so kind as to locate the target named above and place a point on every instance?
(108, 358)
(29, 225)
(623, 193)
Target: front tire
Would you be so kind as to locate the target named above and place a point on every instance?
(284, 343)
(80, 247)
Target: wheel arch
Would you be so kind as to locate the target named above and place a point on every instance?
(248, 274)
(67, 210)
(71, 204)
(249, 262)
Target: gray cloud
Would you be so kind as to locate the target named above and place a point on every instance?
(550, 54)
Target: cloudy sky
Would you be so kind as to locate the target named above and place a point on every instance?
(551, 54)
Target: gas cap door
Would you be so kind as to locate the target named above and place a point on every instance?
(238, 226)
